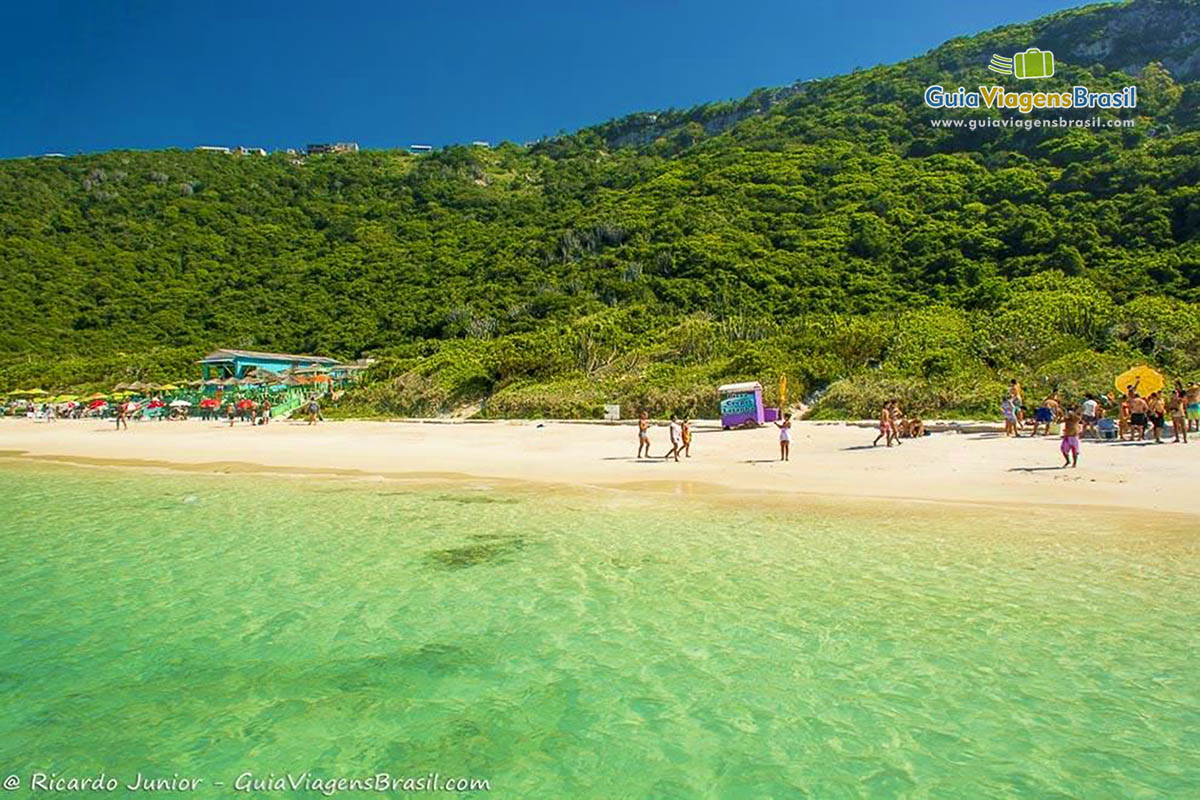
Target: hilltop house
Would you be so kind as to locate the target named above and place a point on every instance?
(236, 363)
(333, 147)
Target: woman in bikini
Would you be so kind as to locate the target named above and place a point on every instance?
(687, 437)
(643, 435)
(1177, 406)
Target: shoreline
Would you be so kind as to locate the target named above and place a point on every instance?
(830, 460)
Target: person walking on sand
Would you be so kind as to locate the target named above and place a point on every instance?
(676, 433)
(314, 411)
(265, 411)
(899, 423)
(643, 435)
(686, 433)
(785, 436)
(231, 410)
(1070, 438)
(885, 424)
(123, 415)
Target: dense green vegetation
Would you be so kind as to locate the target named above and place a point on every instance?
(828, 232)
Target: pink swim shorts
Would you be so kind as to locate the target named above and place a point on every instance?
(1070, 444)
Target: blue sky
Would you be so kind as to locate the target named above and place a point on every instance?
(86, 76)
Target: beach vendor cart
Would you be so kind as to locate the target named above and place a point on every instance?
(742, 405)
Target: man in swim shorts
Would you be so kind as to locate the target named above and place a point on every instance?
(1070, 438)
(1193, 407)
(1137, 416)
(1045, 413)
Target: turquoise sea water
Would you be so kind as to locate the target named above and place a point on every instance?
(586, 644)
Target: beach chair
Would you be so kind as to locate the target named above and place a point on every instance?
(1107, 428)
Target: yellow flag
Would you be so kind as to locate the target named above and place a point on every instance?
(782, 392)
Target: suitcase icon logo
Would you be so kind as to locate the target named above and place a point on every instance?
(1033, 63)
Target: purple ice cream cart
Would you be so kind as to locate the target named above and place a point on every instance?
(742, 404)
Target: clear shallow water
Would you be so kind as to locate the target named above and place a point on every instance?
(598, 644)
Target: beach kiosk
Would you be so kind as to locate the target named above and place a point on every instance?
(742, 404)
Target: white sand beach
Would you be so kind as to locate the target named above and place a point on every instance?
(829, 459)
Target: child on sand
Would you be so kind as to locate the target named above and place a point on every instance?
(785, 436)
(687, 437)
(643, 435)
(1070, 438)
(1018, 401)
(1010, 418)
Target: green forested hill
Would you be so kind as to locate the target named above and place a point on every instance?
(827, 231)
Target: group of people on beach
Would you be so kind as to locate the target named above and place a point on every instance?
(1132, 416)
(680, 433)
(894, 426)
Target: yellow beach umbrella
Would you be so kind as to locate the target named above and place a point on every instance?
(34, 392)
(97, 396)
(168, 387)
(1143, 379)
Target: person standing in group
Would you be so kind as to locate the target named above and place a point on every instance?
(1018, 401)
(1010, 418)
(266, 410)
(1156, 411)
(1193, 408)
(676, 433)
(1091, 415)
(1070, 438)
(686, 434)
(885, 424)
(785, 437)
(899, 422)
(1125, 420)
(1177, 406)
(643, 434)
(1137, 416)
